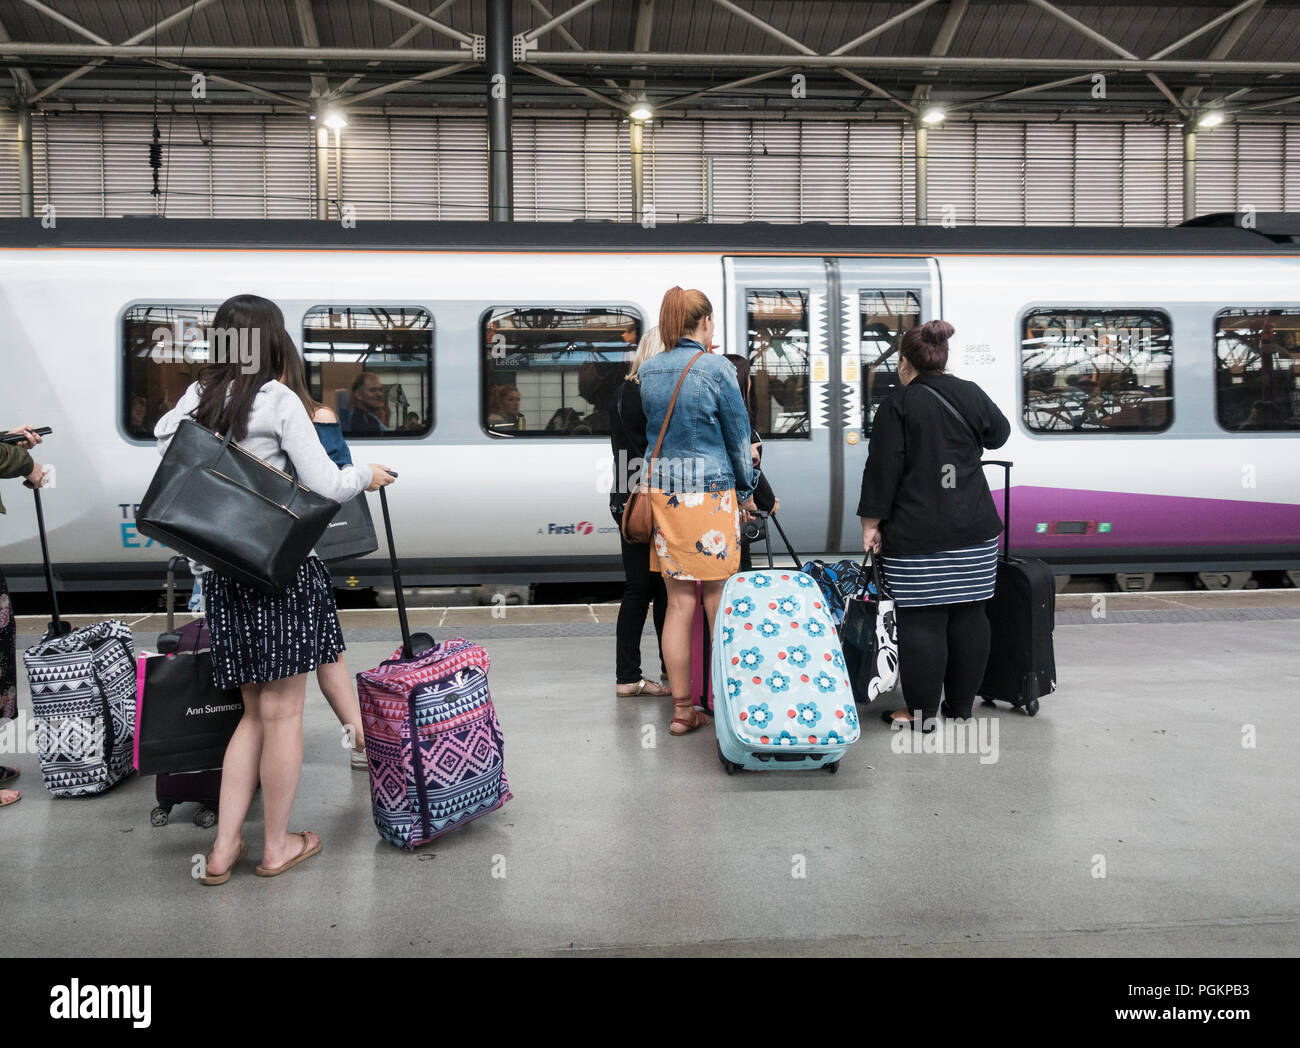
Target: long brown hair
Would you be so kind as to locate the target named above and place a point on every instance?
(259, 325)
(681, 312)
(295, 377)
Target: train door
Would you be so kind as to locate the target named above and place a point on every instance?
(880, 298)
(776, 311)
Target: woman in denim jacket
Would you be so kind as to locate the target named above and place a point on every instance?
(701, 480)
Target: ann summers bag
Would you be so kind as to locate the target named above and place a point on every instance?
(231, 511)
(350, 534)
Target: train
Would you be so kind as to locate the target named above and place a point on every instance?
(1151, 376)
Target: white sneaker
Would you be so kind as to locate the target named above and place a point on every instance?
(359, 760)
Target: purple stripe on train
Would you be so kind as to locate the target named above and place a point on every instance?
(1144, 520)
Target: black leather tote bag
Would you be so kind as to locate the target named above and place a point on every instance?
(230, 510)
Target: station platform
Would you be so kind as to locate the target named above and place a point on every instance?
(623, 840)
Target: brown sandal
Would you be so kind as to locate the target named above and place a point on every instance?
(642, 687)
(306, 853)
(698, 718)
(211, 880)
(12, 800)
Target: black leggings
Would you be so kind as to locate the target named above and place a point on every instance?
(642, 588)
(942, 647)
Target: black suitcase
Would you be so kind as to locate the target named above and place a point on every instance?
(202, 787)
(1022, 613)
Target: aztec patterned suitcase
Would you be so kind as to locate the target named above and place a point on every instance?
(433, 741)
(435, 749)
(783, 696)
(83, 703)
(83, 696)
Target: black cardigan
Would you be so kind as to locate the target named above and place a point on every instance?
(922, 477)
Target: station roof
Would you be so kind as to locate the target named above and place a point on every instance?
(1161, 59)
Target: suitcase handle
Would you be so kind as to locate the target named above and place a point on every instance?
(412, 644)
(1006, 502)
(57, 627)
(771, 564)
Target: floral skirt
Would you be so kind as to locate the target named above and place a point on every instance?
(696, 535)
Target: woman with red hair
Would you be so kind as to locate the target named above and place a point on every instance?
(699, 482)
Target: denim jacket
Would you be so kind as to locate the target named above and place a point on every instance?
(706, 447)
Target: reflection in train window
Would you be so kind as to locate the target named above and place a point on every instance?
(164, 348)
(884, 317)
(1097, 370)
(778, 356)
(372, 366)
(1257, 369)
(553, 371)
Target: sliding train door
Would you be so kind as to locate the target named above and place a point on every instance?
(776, 317)
(880, 298)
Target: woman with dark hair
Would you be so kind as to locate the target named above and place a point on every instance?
(764, 499)
(333, 677)
(264, 644)
(701, 479)
(926, 508)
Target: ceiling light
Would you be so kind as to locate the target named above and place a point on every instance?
(1210, 118)
(933, 115)
(641, 108)
(335, 120)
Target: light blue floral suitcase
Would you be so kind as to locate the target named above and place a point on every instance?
(782, 695)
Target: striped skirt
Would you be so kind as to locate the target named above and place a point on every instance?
(954, 576)
(259, 637)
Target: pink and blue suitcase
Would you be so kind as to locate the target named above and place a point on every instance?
(783, 700)
(434, 745)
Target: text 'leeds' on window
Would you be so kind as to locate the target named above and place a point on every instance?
(372, 366)
(554, 371)
(1097, 370)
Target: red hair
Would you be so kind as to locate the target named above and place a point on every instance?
(681, 312)
(926, 347)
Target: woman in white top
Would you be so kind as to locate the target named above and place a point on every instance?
(265, 645)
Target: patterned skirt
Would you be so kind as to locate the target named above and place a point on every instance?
(8, 655)
(259, 637)
(696, 535)
(954, 576)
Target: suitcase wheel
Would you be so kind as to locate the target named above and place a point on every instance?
(1030, 707)
(833, 767)
(159, 816)
(729, 766)
(205, 817)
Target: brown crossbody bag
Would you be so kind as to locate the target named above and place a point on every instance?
(638, 521)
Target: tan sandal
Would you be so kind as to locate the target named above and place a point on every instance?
(642, 687)
(306, 853)
(213, 879)
(698, 718)
(12, 800)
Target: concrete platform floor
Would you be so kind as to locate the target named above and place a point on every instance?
(623, 840)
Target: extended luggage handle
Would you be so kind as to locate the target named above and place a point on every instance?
(1006, 502)
(170, 641)
(771, 563)
(413, 644)
(57, 627)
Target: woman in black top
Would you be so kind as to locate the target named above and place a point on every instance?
(642, 587)
(926, 508)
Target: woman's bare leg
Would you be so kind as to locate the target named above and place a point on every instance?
(239, 773)
(336, 685)
(281, 715)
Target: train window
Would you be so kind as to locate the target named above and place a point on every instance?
(1097, 370)
(1257, 369)
(164, 348)
(884, 316)
(553, 371)
(372, 366)
(777, 320)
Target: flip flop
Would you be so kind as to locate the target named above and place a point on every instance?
(306, 853)
(642, 688)
(16, 798)
(212, 880)
(8, 774)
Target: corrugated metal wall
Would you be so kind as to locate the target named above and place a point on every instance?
(228, 165)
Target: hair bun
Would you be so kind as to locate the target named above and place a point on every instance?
(937, 332)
